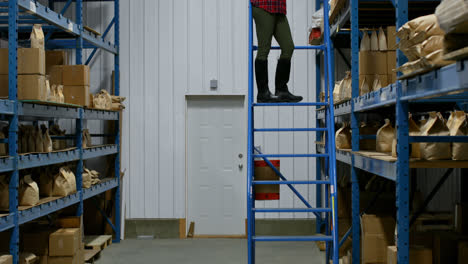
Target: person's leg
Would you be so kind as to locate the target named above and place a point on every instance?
(265, 25)
(284, 38)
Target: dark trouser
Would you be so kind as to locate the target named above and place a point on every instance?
(269, 25)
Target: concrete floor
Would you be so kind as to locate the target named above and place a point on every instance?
(209, 251)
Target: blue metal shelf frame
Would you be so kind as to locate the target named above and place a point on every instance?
(12, 109)
(448, 84)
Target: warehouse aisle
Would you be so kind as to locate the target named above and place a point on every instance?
(207, 251)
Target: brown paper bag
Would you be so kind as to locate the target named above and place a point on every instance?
(46, 184)
(365, 42)
(336, 91)
(435, 126)
(38, 140)
(382, 40)
(87, 178)
(377, 85)
(343, 137)
(58, 144)
(31, 139)
(345, 88)
(385, 136)
(24, 135)
(458, 126)
(365, 88)
(374, 41)
(47, 141)
(4, 193)
(64, 182)
(414, 130)
(367, 144)
(49, 94)
(59, 94)
(86, 138)
(37, 37)
(28, 192)
(3, 146)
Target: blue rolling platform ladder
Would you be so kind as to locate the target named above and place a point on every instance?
(330, 182)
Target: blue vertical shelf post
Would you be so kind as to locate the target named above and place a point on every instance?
(403, 170)
(13, 127)
(117, 123)
(355, 199)
(79, 39)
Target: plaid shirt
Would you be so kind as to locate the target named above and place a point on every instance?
(271, 6)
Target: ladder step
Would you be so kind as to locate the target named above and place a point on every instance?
(290, 155)
(312, 47)
(292, 238)
(292, 210)
(289, 129)
(290, 182)
(292, 104)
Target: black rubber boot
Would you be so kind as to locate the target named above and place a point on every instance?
(261, 74)
(283, 71)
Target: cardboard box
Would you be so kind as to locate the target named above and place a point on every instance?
(391, 62)
(418, 255)
(391, 38)
(377, 235)
(64, 242)
(75, 75)
(372, 62)
(37, 242)
(78, 95)
(55, 57)
(30, 87)
(30, 61)
(64, 260)
(56, 75)
(6, 259)
(462, 252)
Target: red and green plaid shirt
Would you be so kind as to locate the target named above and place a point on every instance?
(271, 6)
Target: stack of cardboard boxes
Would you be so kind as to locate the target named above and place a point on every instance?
(61, 245)
(75, 81)
(34, 64)
(379, 64)
(31, 74)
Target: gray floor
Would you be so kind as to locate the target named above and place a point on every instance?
(207, 251)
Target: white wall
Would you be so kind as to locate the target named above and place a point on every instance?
(174, 48)
(170, 49)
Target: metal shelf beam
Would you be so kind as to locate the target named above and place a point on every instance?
(64, 24)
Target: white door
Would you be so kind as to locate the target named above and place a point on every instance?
(216, 165)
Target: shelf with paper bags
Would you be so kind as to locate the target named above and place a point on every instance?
(436, 144)
(373, 13)
(47, 15)
(447, 84)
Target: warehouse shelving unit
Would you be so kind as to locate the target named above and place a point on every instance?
(445, 85)
(21, 14)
